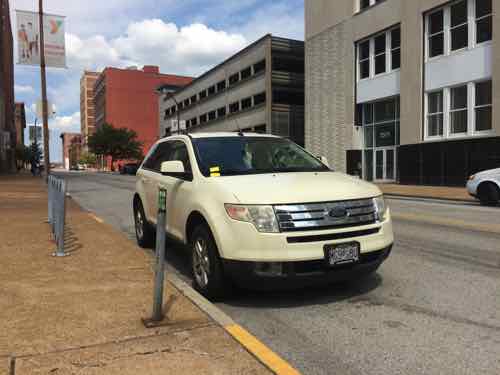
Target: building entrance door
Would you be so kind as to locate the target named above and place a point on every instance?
(385, 164)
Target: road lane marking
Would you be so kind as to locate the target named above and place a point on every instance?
(488, 228)
(274, 362)
(98, 219)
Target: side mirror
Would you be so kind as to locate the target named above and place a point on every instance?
(324, 160)
(174, 169)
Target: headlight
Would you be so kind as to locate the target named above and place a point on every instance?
(380, 208)
(262, 217)
(472, 177)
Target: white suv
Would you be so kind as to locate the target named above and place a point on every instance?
(485, 186)
(259, 210)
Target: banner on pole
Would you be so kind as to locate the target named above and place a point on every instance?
(28, 39)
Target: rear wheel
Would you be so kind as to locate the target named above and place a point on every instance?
(488, 194)
(144, 231)
(208, 275)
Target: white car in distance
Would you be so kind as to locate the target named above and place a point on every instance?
(485, 186)
(260, 211)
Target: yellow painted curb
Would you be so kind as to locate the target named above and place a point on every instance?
(274, 362)
(488, 228)
(99, 220)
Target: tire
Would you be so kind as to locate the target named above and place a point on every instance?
(206, 266)
(488, 194)
(144, 231)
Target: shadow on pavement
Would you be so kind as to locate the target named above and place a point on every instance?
(306, 296)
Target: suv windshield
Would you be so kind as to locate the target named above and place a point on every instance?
(253, 155)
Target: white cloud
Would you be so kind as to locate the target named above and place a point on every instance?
(69, 123)
(22, 89)
(187, 50)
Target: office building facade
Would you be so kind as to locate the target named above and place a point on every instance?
(404, 91)
(87, 109)
(259, 89)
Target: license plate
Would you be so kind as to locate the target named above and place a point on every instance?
(342, 254)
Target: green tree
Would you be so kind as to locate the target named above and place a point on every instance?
(88, 158)
(116, 143)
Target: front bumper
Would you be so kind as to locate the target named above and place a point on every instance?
(304, 273)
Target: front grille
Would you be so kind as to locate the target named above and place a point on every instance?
(332, 236)
(329, 215)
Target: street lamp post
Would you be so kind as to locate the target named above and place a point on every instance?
(170, 95)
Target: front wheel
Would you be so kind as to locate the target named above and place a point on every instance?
(488, 194)
(208, 275)
(144, 231)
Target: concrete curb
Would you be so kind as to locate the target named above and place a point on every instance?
(256, 348)
(251, 344)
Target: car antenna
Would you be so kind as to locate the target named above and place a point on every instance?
(240, 132)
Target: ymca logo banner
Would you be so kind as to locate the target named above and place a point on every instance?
(28, 39)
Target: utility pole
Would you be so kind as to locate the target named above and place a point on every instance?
(45, 115)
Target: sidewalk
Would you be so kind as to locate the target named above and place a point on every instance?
(82, 314)
(435, 192)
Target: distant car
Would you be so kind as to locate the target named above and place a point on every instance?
(129, 168)
(485, 186)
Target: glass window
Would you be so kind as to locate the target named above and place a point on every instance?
(234, 79)
(194, 99)
(194, 121)
(221, 112)
(483, 106)
(435, 114)
(211, 90)
(246, 103)
(212, 115)
(396, 48)
(385, 110)
(364, 59)
(254, 155)
(385, 135)
(203, 118)
(458, 110)
(367, 113)
(180, 153)
(368, 136)
(459, 26)
(221, 86)
(186, 103)
(246, 73)
(436, 33)
(259, 98)
(380, 45)
(234, 107)
(484, 19)
(161, 154)
(259, 67)
(363, 4)
(203, 94)
(369, 165)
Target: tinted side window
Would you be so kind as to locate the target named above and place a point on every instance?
(160, 155)
(180, 153)
(149, 162)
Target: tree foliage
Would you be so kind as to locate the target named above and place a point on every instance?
(88, 158)
(117, 143)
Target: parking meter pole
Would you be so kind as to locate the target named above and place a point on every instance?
(160, 256)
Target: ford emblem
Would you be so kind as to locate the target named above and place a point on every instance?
(338, 213)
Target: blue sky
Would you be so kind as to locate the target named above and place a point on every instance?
(181, 36)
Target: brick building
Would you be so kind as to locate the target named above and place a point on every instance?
(127, 98)
(7, 127)
(71, 149)
(20, 122)
(87, 109)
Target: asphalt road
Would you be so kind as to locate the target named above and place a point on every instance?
(432, 308)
